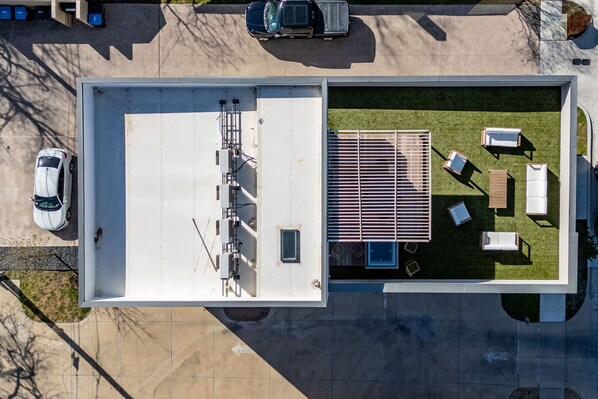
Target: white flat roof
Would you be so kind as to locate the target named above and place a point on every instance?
(289, 193)
(150, 172)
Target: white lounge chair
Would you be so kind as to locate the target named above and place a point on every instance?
(455, 162)
(537, 189)
(459, 213)
(499, 241)
(501, 137)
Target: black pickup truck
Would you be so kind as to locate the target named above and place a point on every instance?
(306, 19)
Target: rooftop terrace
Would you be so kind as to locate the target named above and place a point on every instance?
(455, 117)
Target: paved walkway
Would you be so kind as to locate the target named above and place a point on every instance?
(552, 308)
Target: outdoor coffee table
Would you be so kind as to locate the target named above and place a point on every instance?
(498, 189)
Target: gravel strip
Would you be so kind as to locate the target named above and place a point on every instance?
(39, 258)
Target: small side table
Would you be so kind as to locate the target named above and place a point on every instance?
(410, 247)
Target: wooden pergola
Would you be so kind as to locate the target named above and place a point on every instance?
(379, 185)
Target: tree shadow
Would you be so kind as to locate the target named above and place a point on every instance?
(127, 321)
(529, 14)
(207, 33)
(17, 108)
(7, 284)
(21, 361)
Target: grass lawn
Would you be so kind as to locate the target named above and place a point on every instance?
(582, 133)
(455, 117)
(53, 293)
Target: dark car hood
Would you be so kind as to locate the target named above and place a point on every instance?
(254, 17)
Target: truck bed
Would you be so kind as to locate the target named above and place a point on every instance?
(331, 17)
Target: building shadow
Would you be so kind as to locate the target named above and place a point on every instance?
(459, 99)
(463, 8)
(431, 27)
(588, 40)
(126, 26)
(341, 53)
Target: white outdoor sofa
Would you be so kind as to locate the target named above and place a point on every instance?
(537, 189)
(499, 241)
(501, 137)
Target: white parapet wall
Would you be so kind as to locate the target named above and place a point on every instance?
(149, 182)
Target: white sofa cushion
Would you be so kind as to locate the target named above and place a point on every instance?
(499, 241)
(537, 172)
(501, 137)
(536, 206)
(537, 189)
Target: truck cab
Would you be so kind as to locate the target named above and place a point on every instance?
(297, 19)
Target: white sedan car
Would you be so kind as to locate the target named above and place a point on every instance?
(52, 189)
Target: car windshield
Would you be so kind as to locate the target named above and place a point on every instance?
(47, 203)
(271, 17)
(48, 162)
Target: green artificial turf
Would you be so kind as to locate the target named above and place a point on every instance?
(455, 117)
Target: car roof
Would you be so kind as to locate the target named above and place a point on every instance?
(46, 179)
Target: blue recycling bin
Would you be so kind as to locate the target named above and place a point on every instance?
(20, 13)
(95, 19)
(5, 12)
